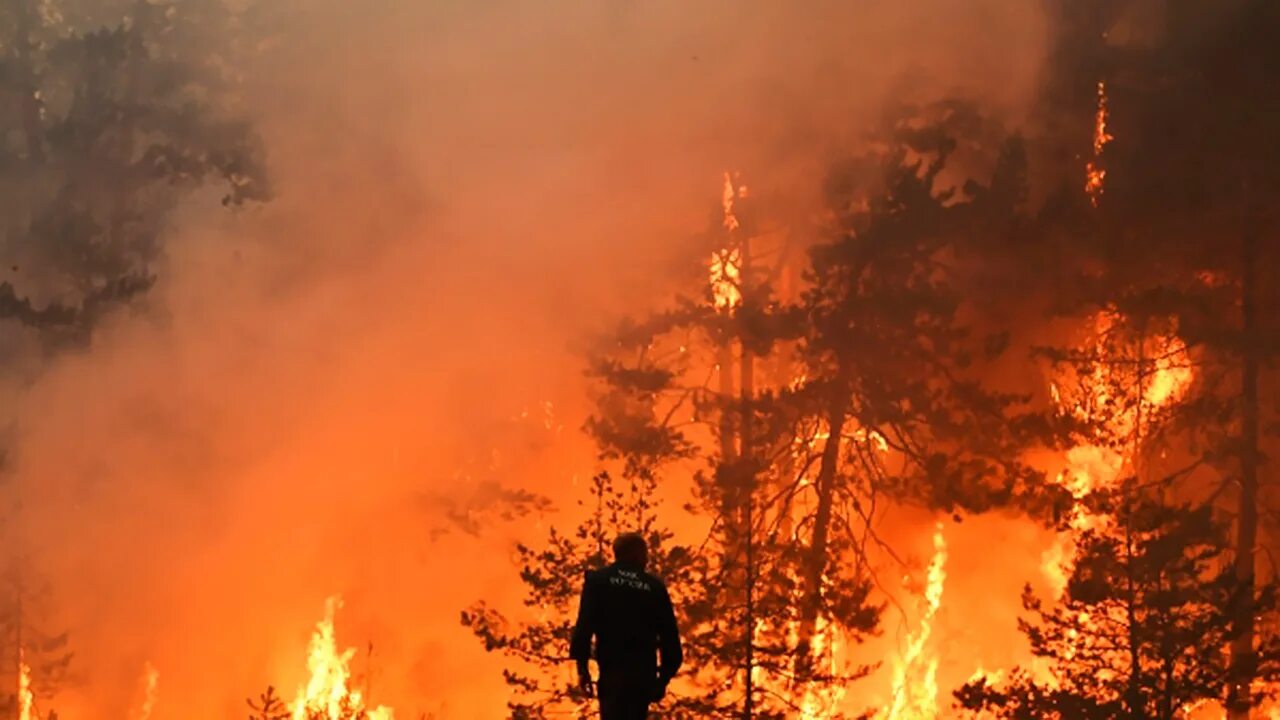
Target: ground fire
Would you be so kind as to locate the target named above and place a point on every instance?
(328, 693)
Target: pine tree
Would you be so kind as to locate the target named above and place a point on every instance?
(1141, 629)
(541, 677)
(268, 706)
(29, 646)
(115, 120)
(801, 413)
(1182, 238)
(888, 364)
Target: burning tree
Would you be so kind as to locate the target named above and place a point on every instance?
(1141, 628)
(806, 399)
(1182, 245)
(36, 661)
(714, 381)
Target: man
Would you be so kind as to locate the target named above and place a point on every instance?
(629, 613)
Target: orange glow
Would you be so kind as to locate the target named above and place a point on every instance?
(1094, 173)
(725, 265)
(150, 692)
(327, 695)
(915, 681)
(26, 697)
(728, 196)
(818, 704)
(1157, 371)
(725, 279)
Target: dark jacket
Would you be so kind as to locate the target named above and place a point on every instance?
(629, 614)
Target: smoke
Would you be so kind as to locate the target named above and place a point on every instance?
(465, 191)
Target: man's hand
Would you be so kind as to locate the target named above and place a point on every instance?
(585, 685)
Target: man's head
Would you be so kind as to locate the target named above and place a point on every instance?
(629, 550)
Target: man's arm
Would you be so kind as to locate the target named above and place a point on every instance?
(583, 630)
(669, 639)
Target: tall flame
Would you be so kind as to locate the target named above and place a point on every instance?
(915, 684)
(728, 195)
(819, 704)
(725, 265)
(26, 696)
(326, 695)
(1094, 173)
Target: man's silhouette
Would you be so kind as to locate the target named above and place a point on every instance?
(629, 613)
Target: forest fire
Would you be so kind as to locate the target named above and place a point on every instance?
(1156, 370)
(327, 694)
(915, 681)
(960, 402)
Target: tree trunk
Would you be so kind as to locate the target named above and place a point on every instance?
(816, 557)
(746, 463)
(728, 443)
(1243, 662)
(1133, 699)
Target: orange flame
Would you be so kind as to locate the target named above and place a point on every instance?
(915, 683)
(1094, 173)
(1092, 467)
(725, 279)
(326, 695)
(730, 193)
(821, 703)
(26, 697)
(725, 265)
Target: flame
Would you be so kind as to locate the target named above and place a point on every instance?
(1165, 375)
(822, 703)
(725, 266)
(726, 279)
(1089, 468)
(326, 695)
(1161, 370)
(1094, 173)
(1092, 467)
(150, 692)
(915, 683)
(731, 193)
(26, 696)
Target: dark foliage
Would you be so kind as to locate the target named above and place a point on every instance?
(1141, 628)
